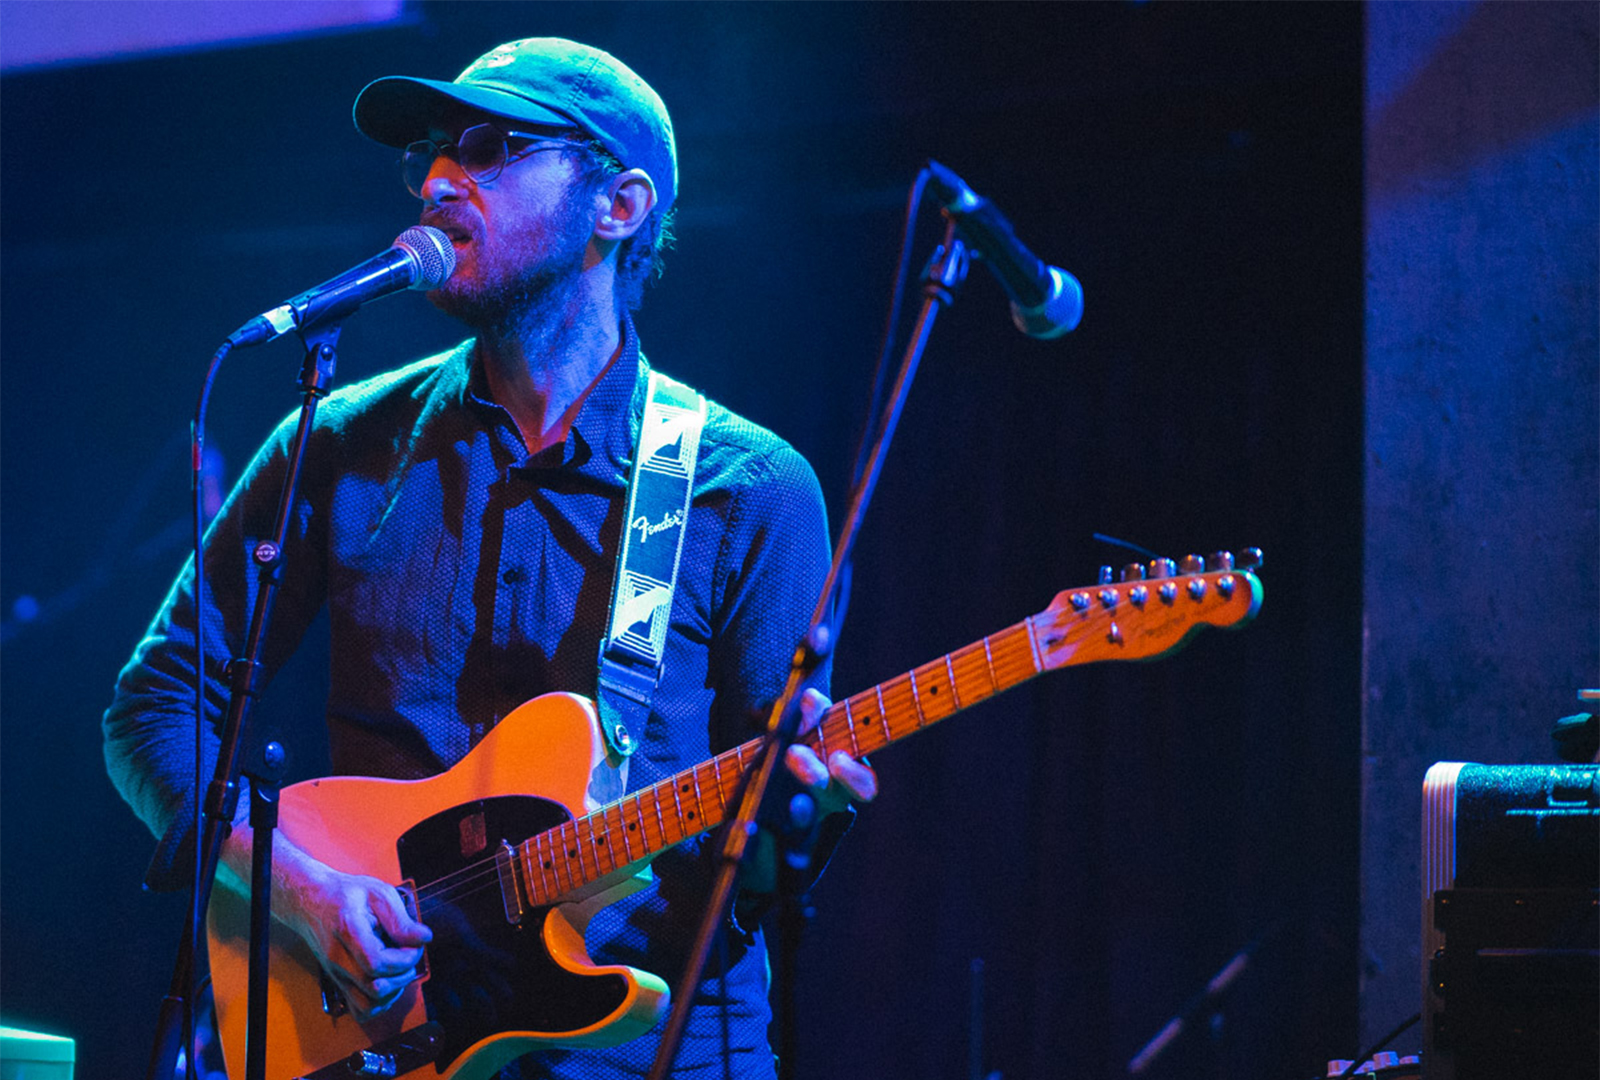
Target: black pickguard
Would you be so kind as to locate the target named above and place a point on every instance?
(486, 974)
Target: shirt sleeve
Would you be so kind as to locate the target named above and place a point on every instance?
(773, 561)
(149, 730)
(776, 556)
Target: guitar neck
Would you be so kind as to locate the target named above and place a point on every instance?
(696, 800)
(1132, 620)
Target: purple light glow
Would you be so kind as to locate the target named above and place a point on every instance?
(43, 33)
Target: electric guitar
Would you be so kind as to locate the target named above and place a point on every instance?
(508, 855)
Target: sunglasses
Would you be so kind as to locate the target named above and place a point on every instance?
(482, 152)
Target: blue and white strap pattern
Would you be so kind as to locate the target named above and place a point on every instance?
(647, 565)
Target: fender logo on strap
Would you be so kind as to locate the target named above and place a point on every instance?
(669, 520)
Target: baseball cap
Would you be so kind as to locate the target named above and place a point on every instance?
(537, 81)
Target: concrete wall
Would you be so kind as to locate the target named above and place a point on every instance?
(1481, 490)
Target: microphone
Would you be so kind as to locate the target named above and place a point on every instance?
(420, 258)
(1046, 301)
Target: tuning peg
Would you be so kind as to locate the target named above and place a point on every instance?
(1161, 568)
(1220, 560)
(1250, 559)
(1105, 575)
(1192, 564)
(1133, 572)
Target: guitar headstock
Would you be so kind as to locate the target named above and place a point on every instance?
(1150, 611)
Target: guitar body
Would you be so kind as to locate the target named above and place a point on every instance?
(502, 978)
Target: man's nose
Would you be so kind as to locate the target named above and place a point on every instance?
(446, 182)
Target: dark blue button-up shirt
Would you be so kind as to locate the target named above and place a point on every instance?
(462, 577)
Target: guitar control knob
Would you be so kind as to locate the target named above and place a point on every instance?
(1250, 559)
(1160, 568)
(1105, 575)
(1133, 572)
(1220, 560)
(1192, 564)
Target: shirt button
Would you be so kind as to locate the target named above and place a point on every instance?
(514, 576)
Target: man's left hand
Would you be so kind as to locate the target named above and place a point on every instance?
(842, 779)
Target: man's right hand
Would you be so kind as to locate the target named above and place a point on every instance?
(357, 926)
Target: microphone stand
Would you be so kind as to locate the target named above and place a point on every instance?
(940, 282)
(222, 797)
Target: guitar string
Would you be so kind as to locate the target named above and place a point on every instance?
(835, 727)
(1014, 666)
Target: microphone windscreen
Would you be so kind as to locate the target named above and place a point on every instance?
(435, 256)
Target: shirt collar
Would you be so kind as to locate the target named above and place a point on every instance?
(600, 444)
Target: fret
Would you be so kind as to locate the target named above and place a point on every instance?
(677, 805)
(883, 716)
(576, 849)
(605, 839)
(638, 828)
(933, 701)
(722, 798)
(699, 803)
(916, 699)
(964, 683)
(898, 702)
(850, 726)
(589, 839)
(950, 673)
(558, 861)
(988, 658)
(596, 843)
(547, 864)
(533, 870)
(622, 818)
(661, 819)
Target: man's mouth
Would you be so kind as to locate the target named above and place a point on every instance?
(459, 236)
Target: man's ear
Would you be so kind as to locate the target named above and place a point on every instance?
(630, 196)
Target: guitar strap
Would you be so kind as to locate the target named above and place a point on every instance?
(633, 650)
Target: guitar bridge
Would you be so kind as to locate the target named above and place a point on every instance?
(393, 1057)
(512, 894)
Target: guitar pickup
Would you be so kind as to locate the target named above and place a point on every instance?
(512, 893)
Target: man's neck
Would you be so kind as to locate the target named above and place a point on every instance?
(541, 369)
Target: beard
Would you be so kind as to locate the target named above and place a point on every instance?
(527, 283)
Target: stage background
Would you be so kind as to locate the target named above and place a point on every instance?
(1103, 840)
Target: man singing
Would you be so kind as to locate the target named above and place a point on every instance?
(461, 518)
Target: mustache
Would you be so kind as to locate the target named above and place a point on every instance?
(452, 224)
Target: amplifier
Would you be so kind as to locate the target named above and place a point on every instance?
(1511, 921)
